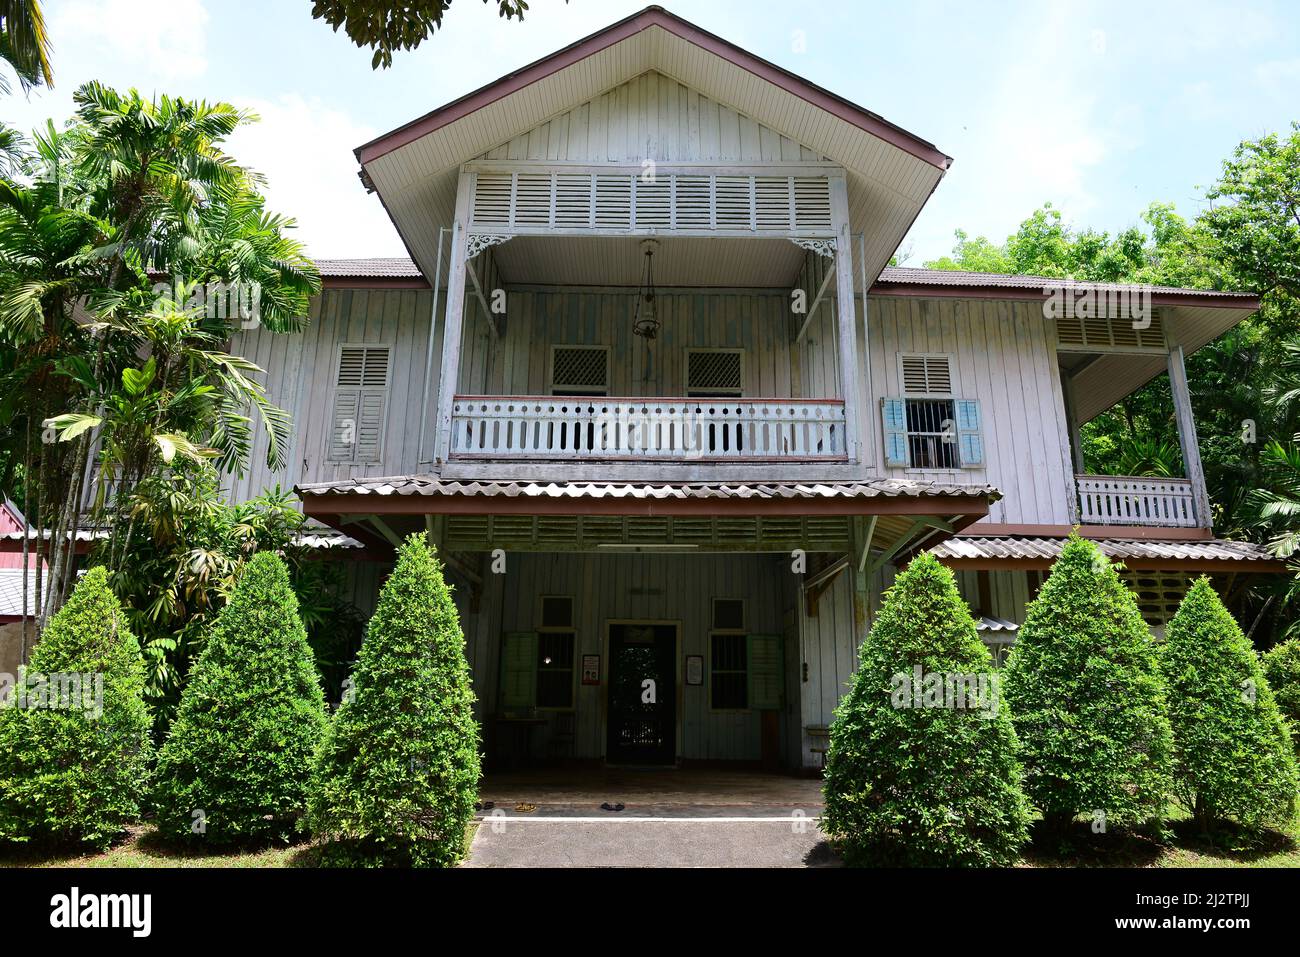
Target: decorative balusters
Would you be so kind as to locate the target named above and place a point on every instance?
(1122, 500)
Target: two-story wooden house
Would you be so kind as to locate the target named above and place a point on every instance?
(649, 383)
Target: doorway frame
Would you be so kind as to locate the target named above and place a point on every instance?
(678, 716)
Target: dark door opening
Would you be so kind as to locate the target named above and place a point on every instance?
(642, 723)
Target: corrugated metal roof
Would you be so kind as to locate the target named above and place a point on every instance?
(908, 275)
(384, 267)
(420, 485)
(990, 623)
(1049, 549)
(11, 592)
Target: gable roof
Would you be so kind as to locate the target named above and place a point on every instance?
(890, 172)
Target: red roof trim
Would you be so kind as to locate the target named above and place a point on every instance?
(921, 290)
(622, 30)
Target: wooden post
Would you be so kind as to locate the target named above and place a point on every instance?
(1076, 444)
(1187, 434)
(863, 531)
(451, 327)
(846, 317)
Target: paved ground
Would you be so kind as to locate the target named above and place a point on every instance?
(669, 819)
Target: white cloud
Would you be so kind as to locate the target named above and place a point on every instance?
(304, 149)
(166, 38)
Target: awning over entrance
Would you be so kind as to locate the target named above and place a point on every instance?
(884, 515)
(1030, 553)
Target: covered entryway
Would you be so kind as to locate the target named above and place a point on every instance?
(642, 693)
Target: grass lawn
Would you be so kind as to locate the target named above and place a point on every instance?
(1082, 848)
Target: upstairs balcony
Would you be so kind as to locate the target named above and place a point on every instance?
(1126, 500)
(637, 429)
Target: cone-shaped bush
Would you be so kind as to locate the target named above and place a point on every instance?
(1085, 693)
(237, 762)
(397, 777)
(922, 765)
(1232, 752)
(1282, 671)
(74, 732)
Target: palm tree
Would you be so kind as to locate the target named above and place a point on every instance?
(24, 44)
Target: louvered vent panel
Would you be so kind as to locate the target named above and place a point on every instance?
(772, 199)
(512, 528)
(577, 368)
(713, 371)
(926, 375)
(557, 530)
(736, 531)
(492, 199)
(1096, 331)
(732, 202)
(599, 529)
(654, 203)
(363, 366)
(643, 531)
(533, 199)
(572, 200)
(692, 530)
(694, 202)
(613, 200)
(812, 200)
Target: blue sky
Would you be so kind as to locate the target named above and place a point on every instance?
(1097, 107)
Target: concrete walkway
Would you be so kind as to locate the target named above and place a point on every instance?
(670, 819)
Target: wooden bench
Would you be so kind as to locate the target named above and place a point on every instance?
(821, 740)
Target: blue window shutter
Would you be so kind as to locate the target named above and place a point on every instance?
(893, 415)
(970, 435)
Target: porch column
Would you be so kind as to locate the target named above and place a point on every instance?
(1076, 443)
(454, 320)
(1187, 434)
(846, 316)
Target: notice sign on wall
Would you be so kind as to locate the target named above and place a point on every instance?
(695, 669)
(591, 669)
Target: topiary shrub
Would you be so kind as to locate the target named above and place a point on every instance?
(1085, 693)
(74, 731)
(398, 774)
(237, 762)
(1282, 671)
(922, 766)
(1232, 752)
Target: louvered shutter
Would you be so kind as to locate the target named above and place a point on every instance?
(893, 415)
(970, 437)
(519, 671)
(766, 672)
(923, 374)
(360, 406)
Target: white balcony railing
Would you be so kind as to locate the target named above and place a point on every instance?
(655, 429)
(1123, 500)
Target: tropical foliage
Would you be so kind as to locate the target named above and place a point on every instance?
(1232, 752)
(1087, 699)
(74, 735)
(397, 775)
(238, 758)
(922, 766)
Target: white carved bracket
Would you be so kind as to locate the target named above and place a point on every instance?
(822, 247)
(475, 243)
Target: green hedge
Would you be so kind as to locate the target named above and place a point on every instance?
(1232, 753)
(398, 774)
(1282, 670)
(1087, 699)
(77, 772)
(238, 760)
(916, 773)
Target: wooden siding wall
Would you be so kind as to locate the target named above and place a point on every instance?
(1003, 354)
(652, 117)
(299, 375)
(758, 321)
(653, 587)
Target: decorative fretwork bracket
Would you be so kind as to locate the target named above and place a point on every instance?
(475, 243)
(822, 247)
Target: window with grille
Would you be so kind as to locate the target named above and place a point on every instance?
(360, 403)
(556, 639)
(927, 427)
(579, 370)
(714, 372)
(728, 671)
